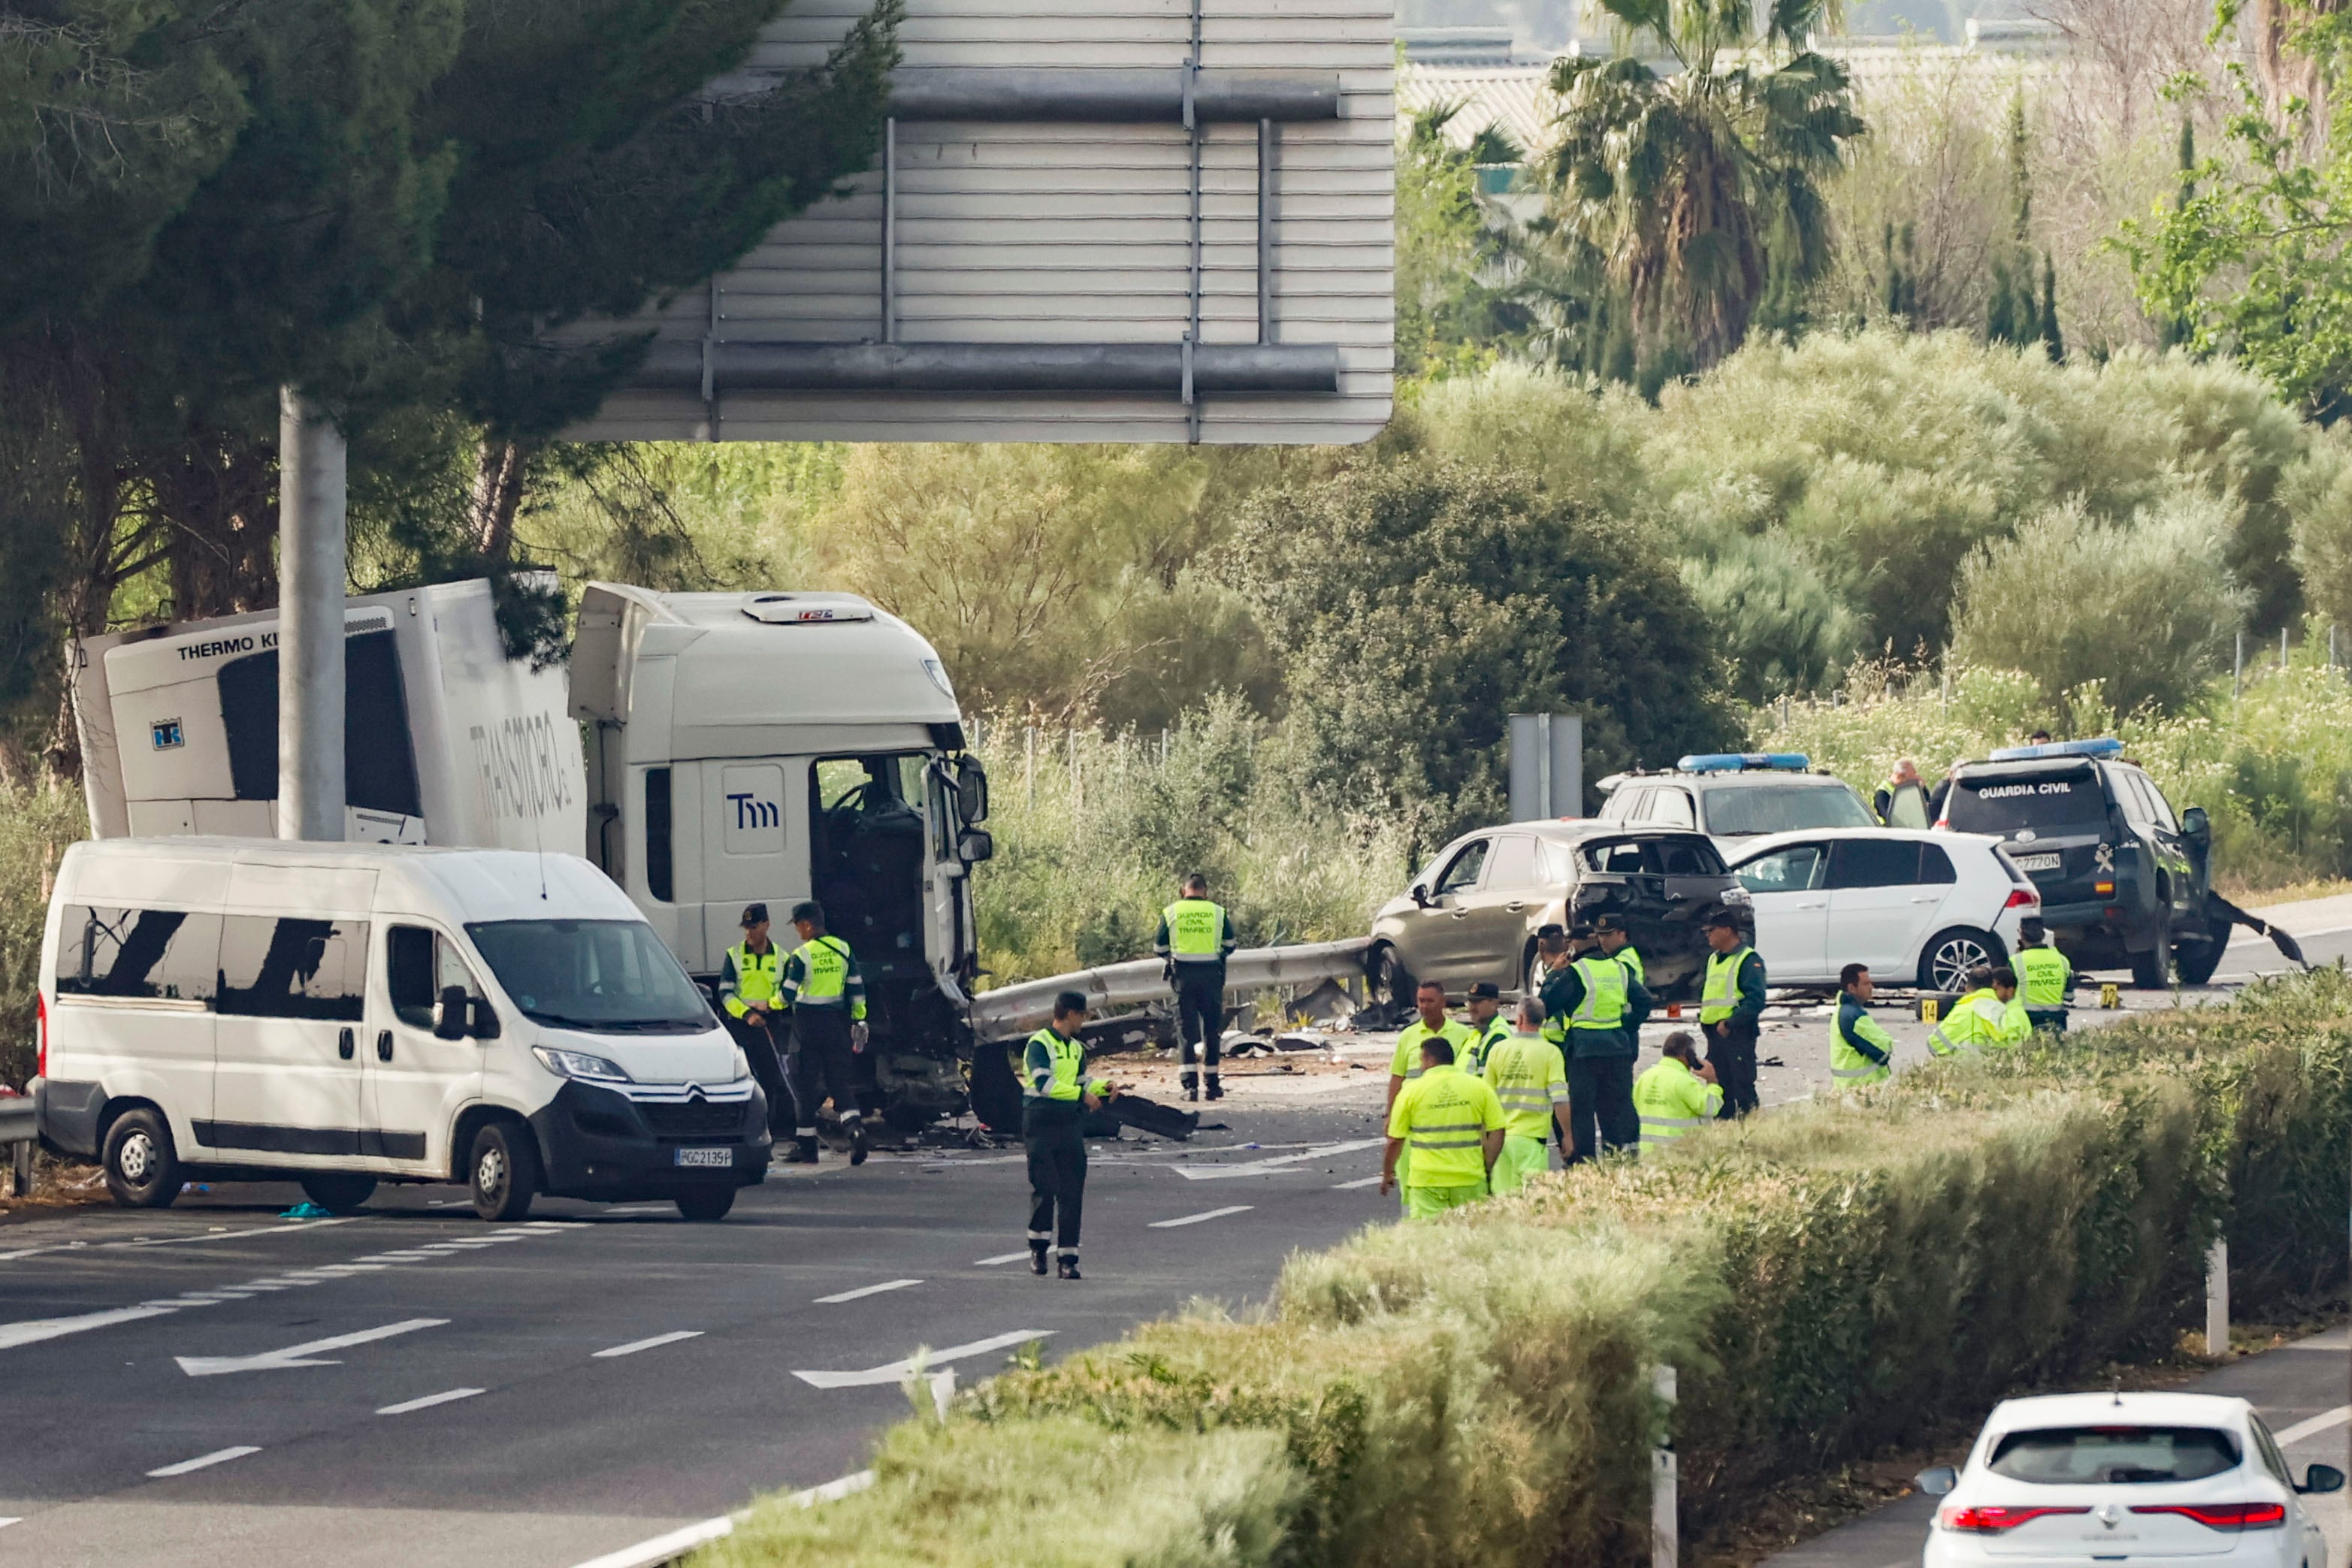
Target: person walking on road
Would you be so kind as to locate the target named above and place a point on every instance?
(748, 977)
(1603, 1008)
(1531, 1082)
(2044, 976)
(1731, 1010)
(1988, 1016)
(1055, 1095)
(1196, 937)
(821, 986)
(1861, 1051)
(1452, 1125)
(1677, 1094)
(1487, 1025)
(1406, 1065)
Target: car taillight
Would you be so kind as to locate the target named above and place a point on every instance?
(2022, 898)
(2229, 1516)
(40, 1036)
(2103, 887)
(1984, 1521)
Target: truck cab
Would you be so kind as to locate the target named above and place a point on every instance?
(772, 746)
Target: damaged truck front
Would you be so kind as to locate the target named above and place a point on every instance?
(768, 747)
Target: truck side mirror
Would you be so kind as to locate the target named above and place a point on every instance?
(975, 845)
(1937, 1482)
(2195, 823)
(451, 1020)
(971, 790)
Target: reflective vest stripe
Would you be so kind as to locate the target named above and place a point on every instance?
(1604, 1007)
(1719, 995)
(1673, 1121)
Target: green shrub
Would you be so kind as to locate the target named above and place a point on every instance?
(36, 825)
(1828, 1280)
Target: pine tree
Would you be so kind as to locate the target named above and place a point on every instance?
(2048, 326)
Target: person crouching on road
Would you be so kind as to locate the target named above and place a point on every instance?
(826, 994)
(1531, 1083)
(1055, 1095)
(1861, 1051)
(1405, 1067)
(1604, 1007)
(1453, 1125)
(1731, 1010)
(2044, 976)
(1677, 1094)
(1987, 1017)
(1488, 1027)
(747, 998)
(1195, 939)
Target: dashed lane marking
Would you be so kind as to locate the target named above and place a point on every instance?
(218, 1457)
(635, 1345)
(445, 1396)
(1000, 1258)
(1351, 1186)
(39, 1329)
(1197, 1218)
(899, 1371)
(171, 1241)
(866, 1291)
(2313, 1427)
(1280, 1164)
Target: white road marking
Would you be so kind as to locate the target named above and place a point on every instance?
(2313, 1427)
(1277, 1165)
(667, 1548)
(642, 1209)
(866, 1291)
(1351, 1186)
(1196, 1218)
(304, 1354)
(14, 1519)
(635, 1345)
(39, 1329)
(899, 1371)
(1000, 1258)
(218, 1457)
(169, 1241)
(833, 1491)
(445, 1396)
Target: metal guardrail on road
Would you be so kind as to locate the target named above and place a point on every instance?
(1015, 1010)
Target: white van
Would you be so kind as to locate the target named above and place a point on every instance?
(346, 1014)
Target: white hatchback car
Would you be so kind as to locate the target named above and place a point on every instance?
(1917, 907)
(2109, 1478)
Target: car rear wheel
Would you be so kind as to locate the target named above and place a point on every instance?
(1946, 961)
(2152, 971)
(143, 1168)
(337, 1192)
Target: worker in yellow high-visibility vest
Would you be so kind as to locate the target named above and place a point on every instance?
(1196, 936)
(1453, 1125)
(1529, 1077)
(1405, 1066)
(2044, 977)
(748, 976)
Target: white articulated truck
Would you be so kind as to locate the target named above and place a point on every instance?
(729, 748)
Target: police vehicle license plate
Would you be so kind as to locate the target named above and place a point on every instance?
(2036, 863)
(721, 1158)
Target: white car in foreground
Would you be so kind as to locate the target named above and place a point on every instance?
(2113, 1478)
(1918, 907)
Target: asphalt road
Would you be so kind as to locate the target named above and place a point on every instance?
(213, 1384)
(541, 1393)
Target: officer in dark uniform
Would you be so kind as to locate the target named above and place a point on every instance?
(748, 978)
(1731, 1010)
(1196, 937)
(1055, 1095)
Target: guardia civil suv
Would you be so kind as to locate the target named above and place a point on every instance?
(2122, 879)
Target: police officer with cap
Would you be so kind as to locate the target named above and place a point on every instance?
(1731, 1010)
(1487, 1022)
(822, 985)
(1598, 1010)
(747, 984)
(1617, 942)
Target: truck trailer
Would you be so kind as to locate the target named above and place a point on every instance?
(705, 751)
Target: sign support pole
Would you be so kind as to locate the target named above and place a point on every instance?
(310, 566)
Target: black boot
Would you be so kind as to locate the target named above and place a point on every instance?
(1216, 1089)
(1191, 1088)
(1037, 1257)
(1069, 1265)
(803, 1152)
(857, 1143)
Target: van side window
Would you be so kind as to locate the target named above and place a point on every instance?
(419, 964)
(164, 953)
(282, 966)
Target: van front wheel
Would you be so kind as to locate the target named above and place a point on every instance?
(143, 1168)
(707, 1206)
(504, 1171)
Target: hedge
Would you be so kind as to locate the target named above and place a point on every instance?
(1829, 1280)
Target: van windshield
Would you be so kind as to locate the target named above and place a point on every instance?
(611, 976)
(1784, 809)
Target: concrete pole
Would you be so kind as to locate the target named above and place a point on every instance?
(2217, 1299)
(1665, 1501)
(310, 567)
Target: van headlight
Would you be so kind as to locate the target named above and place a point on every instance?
(743, 1066)
(579, 1064)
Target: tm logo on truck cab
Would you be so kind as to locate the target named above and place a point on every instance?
(750, 811)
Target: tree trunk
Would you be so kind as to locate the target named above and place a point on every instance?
(217, 494)
(498, 495)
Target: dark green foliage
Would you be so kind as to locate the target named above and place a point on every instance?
(1417, 604)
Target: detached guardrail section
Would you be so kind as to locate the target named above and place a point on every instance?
(1016, 1009)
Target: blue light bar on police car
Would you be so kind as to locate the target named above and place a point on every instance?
(1736, 762)
(2105, 745)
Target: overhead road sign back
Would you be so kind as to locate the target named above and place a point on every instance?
(1119, 220)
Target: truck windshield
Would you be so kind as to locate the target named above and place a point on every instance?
(1784, 807)
(611, 976)
(2066, 801)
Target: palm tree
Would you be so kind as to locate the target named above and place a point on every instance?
(1700, 186)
